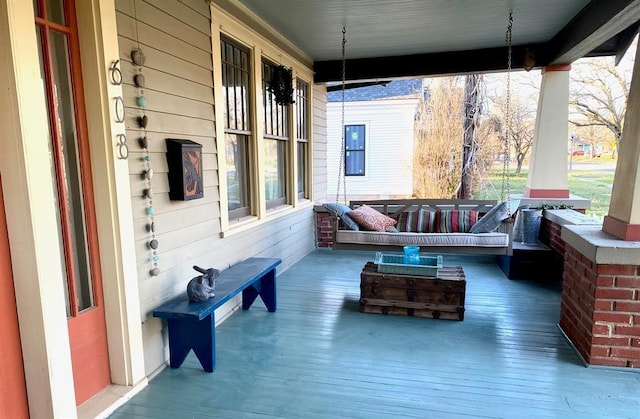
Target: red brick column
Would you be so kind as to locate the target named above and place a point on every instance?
(600, 310)
(324, 230)
(550, 234)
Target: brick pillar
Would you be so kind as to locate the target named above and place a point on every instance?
(324, 229)
(600, 310)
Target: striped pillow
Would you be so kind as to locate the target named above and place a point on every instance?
(455, 221)
(422, 221)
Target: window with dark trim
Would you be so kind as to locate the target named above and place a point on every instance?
(276, 143)
(354, 150)
(302, 136)
(236, 86)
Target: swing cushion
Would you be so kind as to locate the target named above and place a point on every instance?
(492, 219)
(455, 221)
(421, 221)
(372, 219)
(342, 211)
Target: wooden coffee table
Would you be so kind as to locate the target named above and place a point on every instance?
(439, 297)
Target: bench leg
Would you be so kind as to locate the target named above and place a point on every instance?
(265, 288)
(199, 335)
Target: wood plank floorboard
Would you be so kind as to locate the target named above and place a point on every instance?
(319, 357)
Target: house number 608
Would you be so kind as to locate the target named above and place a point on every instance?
(116, 79)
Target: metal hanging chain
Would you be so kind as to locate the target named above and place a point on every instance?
(342, 178)
(506, 187)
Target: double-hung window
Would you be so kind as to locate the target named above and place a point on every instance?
(354, 150)
(302, 136)
(276, 143)
(236, 85)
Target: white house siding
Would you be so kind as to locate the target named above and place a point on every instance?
(176, 39)
(320, 143)
(388, 148)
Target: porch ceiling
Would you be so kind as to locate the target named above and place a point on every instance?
(403, 38)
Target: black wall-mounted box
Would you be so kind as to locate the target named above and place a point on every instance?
(184, 158)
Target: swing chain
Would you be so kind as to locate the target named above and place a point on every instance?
(341, 176)
(506, 187)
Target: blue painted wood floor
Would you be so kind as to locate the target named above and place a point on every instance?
(319, 357)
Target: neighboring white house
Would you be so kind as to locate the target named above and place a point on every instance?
(379, 137)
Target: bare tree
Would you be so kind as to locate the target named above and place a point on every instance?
(437, 150)
(518, 123)
(599, 95)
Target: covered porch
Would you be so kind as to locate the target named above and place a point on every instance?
(318, 356)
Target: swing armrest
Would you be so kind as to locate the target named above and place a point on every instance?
(506, 226)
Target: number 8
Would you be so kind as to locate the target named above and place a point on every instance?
(123, 148)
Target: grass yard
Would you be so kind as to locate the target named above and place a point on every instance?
(594, 184)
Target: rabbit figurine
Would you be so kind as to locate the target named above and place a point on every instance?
(201, 288)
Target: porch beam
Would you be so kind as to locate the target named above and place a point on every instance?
(597, 23)
(440, 63)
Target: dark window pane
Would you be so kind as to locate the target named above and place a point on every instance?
(275, 172)
(354, 145)
(52, 167)
(275, 116)
(237, 175)
(71, 166)
(354, 164)
(235, 80)
(55, 11)
(301, 110)
(302, 135)
(302, 169)
(354, 137)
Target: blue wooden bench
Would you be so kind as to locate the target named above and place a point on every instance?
(192, 325)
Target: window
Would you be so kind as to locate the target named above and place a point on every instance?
(276, 140)
(266, 153)
(69, 154)
(302, 136)
(237, 127)
(354, 150)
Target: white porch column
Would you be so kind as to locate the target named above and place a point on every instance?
(30, 204)
(548, 163)
(623, 220)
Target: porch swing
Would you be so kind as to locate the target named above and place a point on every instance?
(434, 225)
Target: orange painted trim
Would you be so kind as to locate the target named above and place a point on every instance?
(556, 67)
(13, 387)
(621, 229)
(546, 193)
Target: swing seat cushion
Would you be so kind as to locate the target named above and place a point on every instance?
(493, 239)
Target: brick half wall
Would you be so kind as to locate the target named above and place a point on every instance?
(600, 310)
(324, 229)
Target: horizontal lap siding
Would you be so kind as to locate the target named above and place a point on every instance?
(319, 143)
(175, 37)
(388, 147)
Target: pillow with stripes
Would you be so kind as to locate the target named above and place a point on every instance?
(455, 221)
(422, 221)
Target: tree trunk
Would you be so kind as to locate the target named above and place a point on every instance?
(470, 122)
(519, 165)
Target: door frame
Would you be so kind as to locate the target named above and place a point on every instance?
(31, 216)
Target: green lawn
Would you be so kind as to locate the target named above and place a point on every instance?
(591, 184)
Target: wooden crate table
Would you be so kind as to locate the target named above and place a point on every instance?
(440, 297)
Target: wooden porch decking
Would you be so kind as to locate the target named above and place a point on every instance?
(319, 357)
